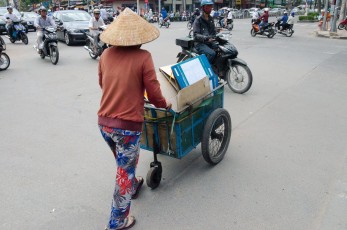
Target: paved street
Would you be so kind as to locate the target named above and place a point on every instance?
(286, 166)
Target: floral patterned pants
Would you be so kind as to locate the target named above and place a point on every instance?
(125, 146)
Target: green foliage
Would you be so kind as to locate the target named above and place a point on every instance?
(313, 14)
(307, 18)
(26, 4)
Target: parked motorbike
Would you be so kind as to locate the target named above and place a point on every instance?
(95, 50)
(343, 24)
(226, 65)
(50, 45)
(266, 30)
(287, 31)
(18, 33)
(4, 58)
(164, 22)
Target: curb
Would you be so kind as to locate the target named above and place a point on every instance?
(330, 35)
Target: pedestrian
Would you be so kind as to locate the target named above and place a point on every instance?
(121, 107)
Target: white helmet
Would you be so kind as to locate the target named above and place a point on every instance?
(266, 9)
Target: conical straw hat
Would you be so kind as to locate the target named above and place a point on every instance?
(129, 29)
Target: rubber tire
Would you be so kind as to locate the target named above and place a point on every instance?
(160, 25)
(153, 177)
(340, 27)
(5, 56)
(231, 28)
(250, 80)
(54, 62)
(205, 141)
(271, 33)
(67, 39)
(12, 40)
(91, 54)
(25, 39)
(253, 33)
(167, 25)
(189, 25)
(290, 33)
(42, 55)
(2, 42)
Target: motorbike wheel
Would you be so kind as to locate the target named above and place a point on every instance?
(4, 61)
(25, 39)
(167, 25)
(340, 27)
(271, 33)
(91, 53)
(189, 25)
(42, 55)
(12, 40)
(253, 33)
(230, 27)
(239, 78)
(54, 54)
(2, 43)
(289, 32)
(345, 27)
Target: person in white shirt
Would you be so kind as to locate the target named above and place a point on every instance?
(40, 23)
(103, 12)
(94, 24)
(9, 17)
(255, 15)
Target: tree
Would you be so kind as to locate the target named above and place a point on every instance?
(25, 4)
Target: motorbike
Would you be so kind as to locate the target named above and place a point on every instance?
(18, 33)
(4, 58)
(164, 22)
(343, 24)
(226, 64)
(229, 26)
(287, 31)
(267, 29)
(95, 50)
(2, 43)
(49, 46)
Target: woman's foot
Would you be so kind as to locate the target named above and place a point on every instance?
(129, 222)
(138, 188)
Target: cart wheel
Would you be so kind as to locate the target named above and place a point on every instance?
(216, 136)
(153, 177)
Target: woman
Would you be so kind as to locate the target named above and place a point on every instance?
(125, 72)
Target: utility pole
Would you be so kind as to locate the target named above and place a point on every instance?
(333, 26)
(324, 27)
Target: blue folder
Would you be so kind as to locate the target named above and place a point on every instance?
(192, 70)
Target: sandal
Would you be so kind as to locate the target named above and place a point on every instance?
(138, 188)
(129, 222)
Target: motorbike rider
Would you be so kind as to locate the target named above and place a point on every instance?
(229, 18)
(41, 22)
(9, 17)
(264, 19)
(255, 15)
(94, 24)
(204, 31)
(163, 14)
(283, 22)
(290, 21)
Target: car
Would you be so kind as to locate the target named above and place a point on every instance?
(30, 17)
(3, 11)
(72, 25)
(2, 26)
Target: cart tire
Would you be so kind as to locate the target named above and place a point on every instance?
(216, 136)
(153, 177)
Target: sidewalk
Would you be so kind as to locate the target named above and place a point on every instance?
(341, 34)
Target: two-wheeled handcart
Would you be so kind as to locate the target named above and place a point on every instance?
(176, 134)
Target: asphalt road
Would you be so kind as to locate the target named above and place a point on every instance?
(286, 166)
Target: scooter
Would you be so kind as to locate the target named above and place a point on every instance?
(18, 33)
(95, 50)
(4, 58)
(164, 22)
(343, 24)
(229, 26)
(2, 43)
(49, 46)
(287, 31)
(267, 29)
(226, 64)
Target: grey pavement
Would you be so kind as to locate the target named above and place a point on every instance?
(286, 166)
